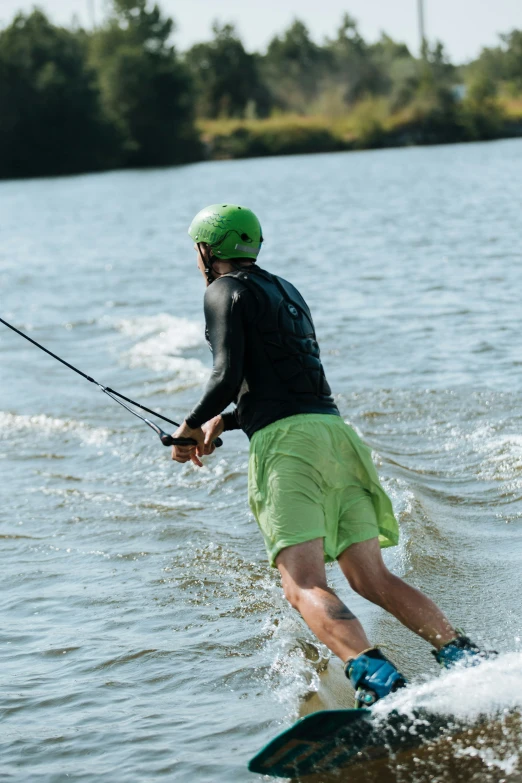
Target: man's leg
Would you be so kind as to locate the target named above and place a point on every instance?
(364, 568)
(304, 583)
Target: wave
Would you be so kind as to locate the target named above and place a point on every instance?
(451, 438)
(167, 337)
(154, 356)
(11, 423)
(502, 456)
(180, 333)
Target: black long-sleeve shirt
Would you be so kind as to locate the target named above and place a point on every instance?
(243, 369)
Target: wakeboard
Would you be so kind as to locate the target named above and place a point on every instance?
(327, 740)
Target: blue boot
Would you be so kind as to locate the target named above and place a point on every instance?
(373, 677)
(461, 650)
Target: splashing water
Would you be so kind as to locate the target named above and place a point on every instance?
(483, 734)
(466, 693)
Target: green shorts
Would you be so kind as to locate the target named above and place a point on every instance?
(310, 476)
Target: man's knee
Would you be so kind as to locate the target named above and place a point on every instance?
(297, 591)
(292, 593)
(370, 585)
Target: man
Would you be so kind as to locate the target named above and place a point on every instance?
(312, 485)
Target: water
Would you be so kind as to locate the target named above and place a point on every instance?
(143, 635)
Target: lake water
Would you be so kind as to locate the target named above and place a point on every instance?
(143, 635)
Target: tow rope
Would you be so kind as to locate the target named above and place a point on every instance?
(166, 439)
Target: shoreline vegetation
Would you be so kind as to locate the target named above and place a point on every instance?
(369, 126)
(122, 96)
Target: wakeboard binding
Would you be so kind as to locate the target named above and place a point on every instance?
(461, 650)
(373, 677)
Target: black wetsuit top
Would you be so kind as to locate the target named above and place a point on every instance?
(266, 357)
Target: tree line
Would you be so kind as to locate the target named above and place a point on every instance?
(121, 95)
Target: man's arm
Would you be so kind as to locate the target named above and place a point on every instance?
(225, 326)
(224, 308)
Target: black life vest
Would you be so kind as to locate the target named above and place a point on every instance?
(284, 324)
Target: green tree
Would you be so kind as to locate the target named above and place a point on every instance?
(146, 89)
(226, 77)
(50, 116)
(399, 70)
(501, 65)
(491, 64)
(294, 67)
(513, 58)
(387, 50)
(353, 63)
(441, 69)
(435, 105)
(482, 115)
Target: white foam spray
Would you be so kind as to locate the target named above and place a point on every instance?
(167, 337)
(11, 423)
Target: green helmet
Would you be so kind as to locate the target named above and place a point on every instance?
(230, 230)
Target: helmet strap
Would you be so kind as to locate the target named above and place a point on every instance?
(206, 255)
(208, 259)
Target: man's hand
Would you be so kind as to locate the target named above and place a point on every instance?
(189, 453)
(212, 429)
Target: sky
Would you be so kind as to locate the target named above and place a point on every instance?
(464, 26)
